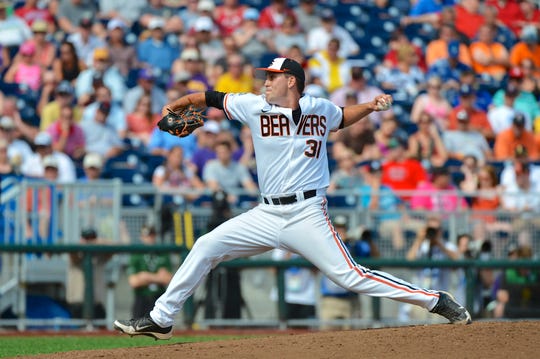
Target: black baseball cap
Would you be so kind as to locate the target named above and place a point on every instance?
(288, 66)
(519, 119)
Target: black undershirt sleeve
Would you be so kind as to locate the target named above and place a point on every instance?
(214, 99)
(342, 124)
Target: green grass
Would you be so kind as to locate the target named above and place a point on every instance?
(12, 346)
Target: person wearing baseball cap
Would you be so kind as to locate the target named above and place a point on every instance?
(289, 67)
(516, 136)
(289, 131)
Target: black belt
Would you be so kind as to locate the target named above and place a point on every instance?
(290, 199)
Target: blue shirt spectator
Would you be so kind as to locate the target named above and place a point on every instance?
(161, 142)
(155, 51)
(422, 7)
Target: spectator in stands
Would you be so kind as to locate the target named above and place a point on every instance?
(400, 172)
(432, 103)
(449, 69)
(525, 102)
(512, 277)
(35, 167)
(466, 141)
(235, 79)
(384, 205)
(85, 41)
(26, 71)
(102, 72)
(76, 280)
(220, 66)
(530, 14)
(224, 173)
(423, 7)
(503, 34)
(508, 174)
(45, 48)
(210, 46)
(190, 61)
(115, 119)
(22, 130)
(148, 274)
(252, 41)
(318, 37)
(430, 243)
(161, 143)
(490, 58)
(228, 16)
(30, 11)
(527, 48)
(468, 17)
(508, 13)
(155, 52)
(68, 66)
(141, 121)
(178, 86)
(13, 30)
(128, 12)
(396, 41)
(123, 55)
(346, 176)
(486, 197)
(307, 15)
(478, 119)
(483, 96)
(406, 78)
(438, 49)
(300, 288)
(70, 13)
(360, 138)
(438, 194)
(501, 116)
(468, 171)
(41, 200)
(388, 130)
(92, 167)
(274, 14)
(146, 85)
(517, 135)
(191, 12)
(521, 196)
(329, 68)
(426, 145)
(99, 136)
(63, 96)
(18, 151)
(287, 35)
(358, 85)
(67, 136)
(176, 174)
(159, 9)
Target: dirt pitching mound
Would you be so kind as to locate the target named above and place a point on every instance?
(478, 340)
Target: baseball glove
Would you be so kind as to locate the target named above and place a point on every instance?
(183, 123)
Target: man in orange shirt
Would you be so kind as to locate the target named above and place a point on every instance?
(527, 48)
(490, 58)
(507, 140)
(478, 118)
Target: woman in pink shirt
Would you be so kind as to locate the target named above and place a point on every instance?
(25, 70)
(141, 122)
(439, 194)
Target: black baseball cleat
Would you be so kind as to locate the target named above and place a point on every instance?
(143, 326)
(448, 307)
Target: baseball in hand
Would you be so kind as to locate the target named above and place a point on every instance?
(383, 104)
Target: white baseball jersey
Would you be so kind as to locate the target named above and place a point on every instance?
(290, 156)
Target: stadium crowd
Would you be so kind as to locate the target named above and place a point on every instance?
(83, 83)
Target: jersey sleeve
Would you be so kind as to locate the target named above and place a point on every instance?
(334, 114)
(243, 107)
